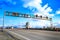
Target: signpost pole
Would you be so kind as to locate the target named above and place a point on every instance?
(3, 21)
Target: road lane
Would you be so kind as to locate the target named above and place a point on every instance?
(38, 35)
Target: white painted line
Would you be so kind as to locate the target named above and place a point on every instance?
(19, 35)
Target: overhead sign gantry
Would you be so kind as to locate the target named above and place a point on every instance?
(16, 14)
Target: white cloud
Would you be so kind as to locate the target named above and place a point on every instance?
(44, 11)
(39, 23)
(58, 12)
(40, 10)
(58, 22)
(55, 24)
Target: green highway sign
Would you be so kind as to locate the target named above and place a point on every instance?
(15, 14)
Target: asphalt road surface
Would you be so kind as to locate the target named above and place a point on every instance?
(37, 34)
(4, 36)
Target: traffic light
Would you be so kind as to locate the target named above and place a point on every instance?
(36, 16)
(25, 15)
(46, 17)
(15, 14)
(41, 17)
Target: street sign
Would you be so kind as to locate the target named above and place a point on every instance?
(15, 14)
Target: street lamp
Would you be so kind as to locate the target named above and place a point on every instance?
(46, 17)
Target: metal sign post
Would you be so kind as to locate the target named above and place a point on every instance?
(3, 21)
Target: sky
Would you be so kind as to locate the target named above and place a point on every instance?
(50, 8)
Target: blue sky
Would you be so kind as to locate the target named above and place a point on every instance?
(50, 8)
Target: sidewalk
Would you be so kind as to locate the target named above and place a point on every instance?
(4, 36)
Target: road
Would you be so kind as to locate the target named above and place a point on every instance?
(4, 36)
(37, 34)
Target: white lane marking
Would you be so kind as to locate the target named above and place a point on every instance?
(20, 35)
